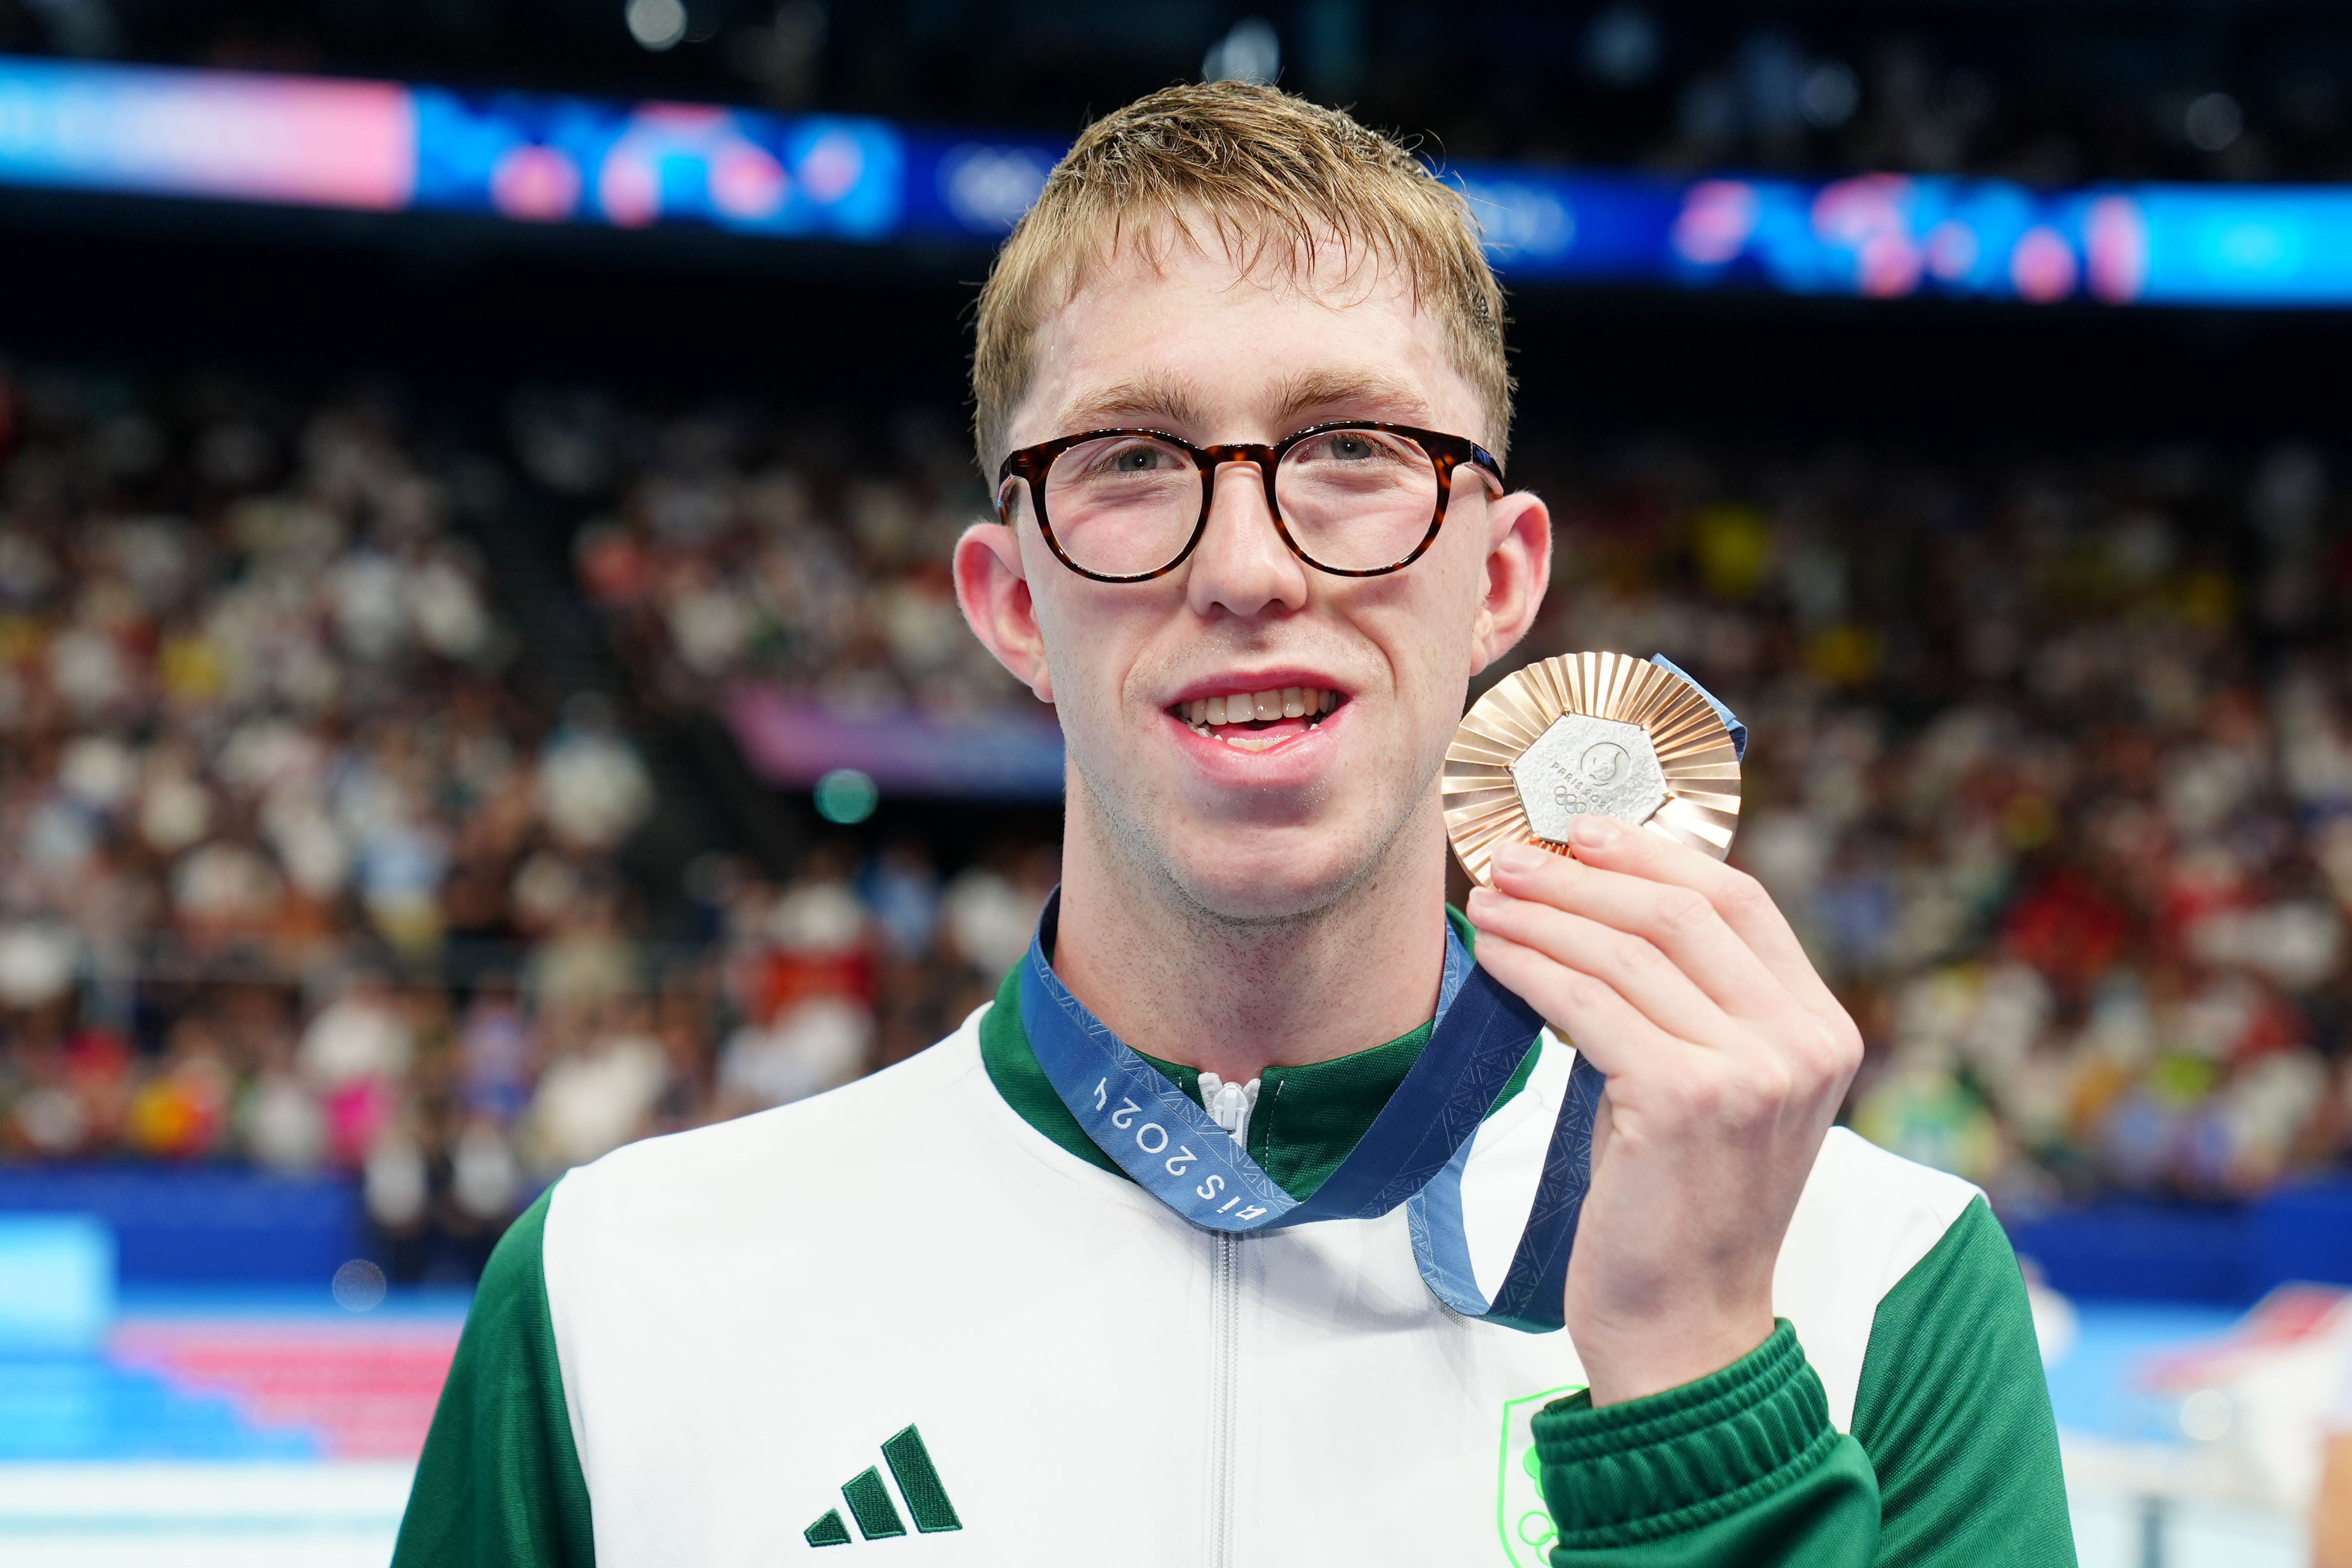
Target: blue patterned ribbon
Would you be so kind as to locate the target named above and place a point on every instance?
(1414, 1153)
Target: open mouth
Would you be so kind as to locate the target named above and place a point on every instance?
(1258, 721)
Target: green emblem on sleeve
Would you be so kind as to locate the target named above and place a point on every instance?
(1520, 1511)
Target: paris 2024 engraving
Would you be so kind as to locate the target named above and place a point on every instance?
(1583, 765)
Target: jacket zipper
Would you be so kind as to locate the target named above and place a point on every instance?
(1224, 1374)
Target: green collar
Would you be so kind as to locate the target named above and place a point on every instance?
(1308, 1120)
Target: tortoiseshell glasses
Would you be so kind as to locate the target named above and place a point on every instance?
(1355, 499)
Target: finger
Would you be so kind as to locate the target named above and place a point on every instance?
(1738, 897)
(1636, 968)
(1679, 921)
(1583, 1010)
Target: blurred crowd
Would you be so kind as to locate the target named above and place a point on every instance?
(300, 866)
(2049, 96)
(800, 552)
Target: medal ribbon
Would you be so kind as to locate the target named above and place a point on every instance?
(1413, 1153)
(1730, 720)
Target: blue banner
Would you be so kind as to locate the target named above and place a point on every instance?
(552, 159)
(541, 158)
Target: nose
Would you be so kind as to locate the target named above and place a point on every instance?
(1241, 565)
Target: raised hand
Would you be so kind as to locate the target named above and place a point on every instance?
(1726, 1060)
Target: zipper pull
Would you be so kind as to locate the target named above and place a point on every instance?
(1229, 1104)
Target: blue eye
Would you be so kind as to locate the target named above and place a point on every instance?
(1349, 446)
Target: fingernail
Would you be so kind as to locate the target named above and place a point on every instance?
(1592, 831)
(1515, 858)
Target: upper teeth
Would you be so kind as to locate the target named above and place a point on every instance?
(1245, 707)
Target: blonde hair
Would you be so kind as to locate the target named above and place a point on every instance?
(1273, 177)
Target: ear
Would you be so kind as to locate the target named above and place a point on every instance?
(993, 590)
(1518, 570)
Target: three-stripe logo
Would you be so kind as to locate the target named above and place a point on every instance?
(869, 1501)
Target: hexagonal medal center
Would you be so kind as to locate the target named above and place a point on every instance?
(1583, 764)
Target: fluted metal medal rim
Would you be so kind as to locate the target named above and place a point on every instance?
(1481, 798)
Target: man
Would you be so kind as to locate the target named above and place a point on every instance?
(1781, 1345)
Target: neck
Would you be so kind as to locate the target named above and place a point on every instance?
(1235, 996)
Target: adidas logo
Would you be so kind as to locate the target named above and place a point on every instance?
(869, 1501)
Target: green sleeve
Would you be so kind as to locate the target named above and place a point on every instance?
(1954, 1411)
(499, 1485)
(1739, 1467)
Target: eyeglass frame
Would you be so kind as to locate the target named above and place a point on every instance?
(1446, 453)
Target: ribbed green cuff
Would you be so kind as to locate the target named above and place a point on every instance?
(1655, 1467)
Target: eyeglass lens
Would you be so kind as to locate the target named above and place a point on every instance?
(1122, 506)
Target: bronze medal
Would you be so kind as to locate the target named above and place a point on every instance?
(1585, 733)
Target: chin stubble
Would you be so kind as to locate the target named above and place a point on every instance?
(1127, 841)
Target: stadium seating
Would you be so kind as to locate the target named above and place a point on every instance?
(310, 869)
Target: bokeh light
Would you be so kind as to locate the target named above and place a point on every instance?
(846, 796)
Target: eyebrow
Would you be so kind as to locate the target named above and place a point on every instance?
(1175, 401)
(1353, 391)
(1163, 397)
